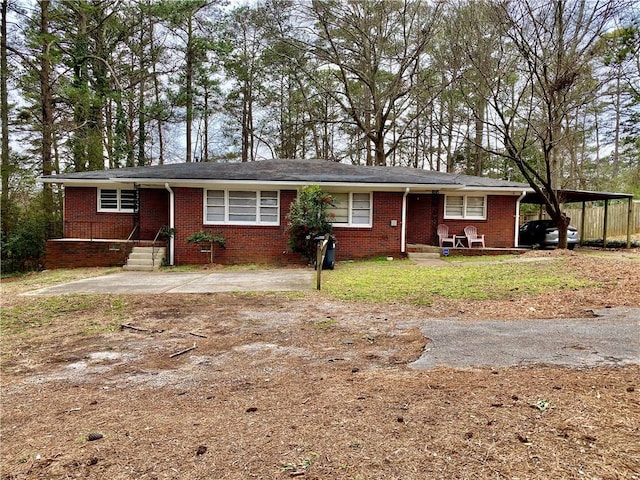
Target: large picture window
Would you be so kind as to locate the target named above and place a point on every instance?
(116, 200)
(241, 207)
(351, 209)
(465, 206)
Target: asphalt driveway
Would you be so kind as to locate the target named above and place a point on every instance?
(275, 280)
(610, 338)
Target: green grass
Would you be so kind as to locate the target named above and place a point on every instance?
(35, 312)
(393, 282)
(20, 283)
(479, 259)
(222, 268)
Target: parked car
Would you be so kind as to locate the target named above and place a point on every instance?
(544, 233)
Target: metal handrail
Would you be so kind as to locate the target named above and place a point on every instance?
(92, 230)
(153, 247)
(133, 231)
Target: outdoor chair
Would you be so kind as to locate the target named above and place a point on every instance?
(471, 233)
(443, 236)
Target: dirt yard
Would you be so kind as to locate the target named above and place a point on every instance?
(299, 385)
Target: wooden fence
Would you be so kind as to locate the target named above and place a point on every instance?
(594, 220)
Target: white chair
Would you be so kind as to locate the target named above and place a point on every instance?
(471, 233)
(443, 236)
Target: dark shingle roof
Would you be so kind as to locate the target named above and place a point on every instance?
(296, 171)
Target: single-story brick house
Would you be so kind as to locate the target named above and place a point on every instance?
(378, 210)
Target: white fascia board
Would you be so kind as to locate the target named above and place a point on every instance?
(495, 190)
(78, 182)
(350, 186)
(346, 186)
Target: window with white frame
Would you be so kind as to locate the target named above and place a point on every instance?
(116, 200)
(242, 207)
(473, 207)
(351, 209)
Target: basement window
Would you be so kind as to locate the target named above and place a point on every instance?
(116, 200)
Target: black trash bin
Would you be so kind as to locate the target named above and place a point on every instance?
(330, 255)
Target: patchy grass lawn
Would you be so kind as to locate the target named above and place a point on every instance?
(401, 281)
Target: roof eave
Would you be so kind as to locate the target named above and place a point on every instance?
(195, 183)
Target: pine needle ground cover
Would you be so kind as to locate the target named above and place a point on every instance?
(310, 385)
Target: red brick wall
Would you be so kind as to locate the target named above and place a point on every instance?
(382, 239)
(73, 254)
(267, 244)
(420, 218)
(501, 215)
(244, 244)
(82, 219)
(154, 212)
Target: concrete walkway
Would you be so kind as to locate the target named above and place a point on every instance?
(276, 280)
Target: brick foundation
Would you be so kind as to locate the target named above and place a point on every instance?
(66, 253)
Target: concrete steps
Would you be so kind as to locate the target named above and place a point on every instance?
(145, 259)
(426, 259)
(423, 255)
(422, 248)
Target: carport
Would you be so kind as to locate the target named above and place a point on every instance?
(584, 196)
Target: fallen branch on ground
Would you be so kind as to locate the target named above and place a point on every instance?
(183, 351)
(139, 329)
(197, 335)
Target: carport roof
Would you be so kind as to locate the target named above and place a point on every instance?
(576, 196)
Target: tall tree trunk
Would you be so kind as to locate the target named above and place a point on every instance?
(81, 87)
(205, 133)
(449, 136)
(367, 126)
(95, 145)
(4, 108)
(325, 130)
(109, 124)
(156, 89)
(189, 86)
(245, 133)
(46, 107)
(250, 127)
(142, 125)
(479, 153)
(616, 139)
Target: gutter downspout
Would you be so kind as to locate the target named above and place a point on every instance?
(516, 235)
(403, 233)
(171, 223)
